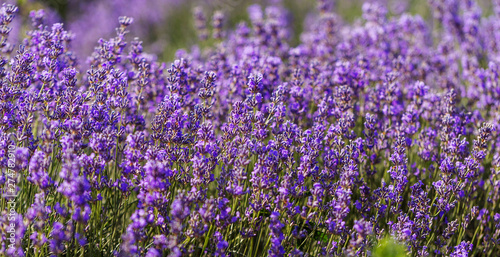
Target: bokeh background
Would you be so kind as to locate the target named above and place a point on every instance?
(168, 25)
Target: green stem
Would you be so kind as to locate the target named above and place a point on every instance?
(258, 242)
(207, 238)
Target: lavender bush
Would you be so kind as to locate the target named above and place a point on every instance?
(365, 138)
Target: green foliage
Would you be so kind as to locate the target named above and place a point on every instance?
(388, 247)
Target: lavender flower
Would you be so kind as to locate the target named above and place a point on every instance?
(255, 141)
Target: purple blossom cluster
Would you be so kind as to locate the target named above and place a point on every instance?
(250, 145)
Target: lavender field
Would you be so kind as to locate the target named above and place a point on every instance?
(250, 128)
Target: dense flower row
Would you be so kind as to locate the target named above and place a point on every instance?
(249, 146)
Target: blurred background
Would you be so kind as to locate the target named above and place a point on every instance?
(167, 25)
